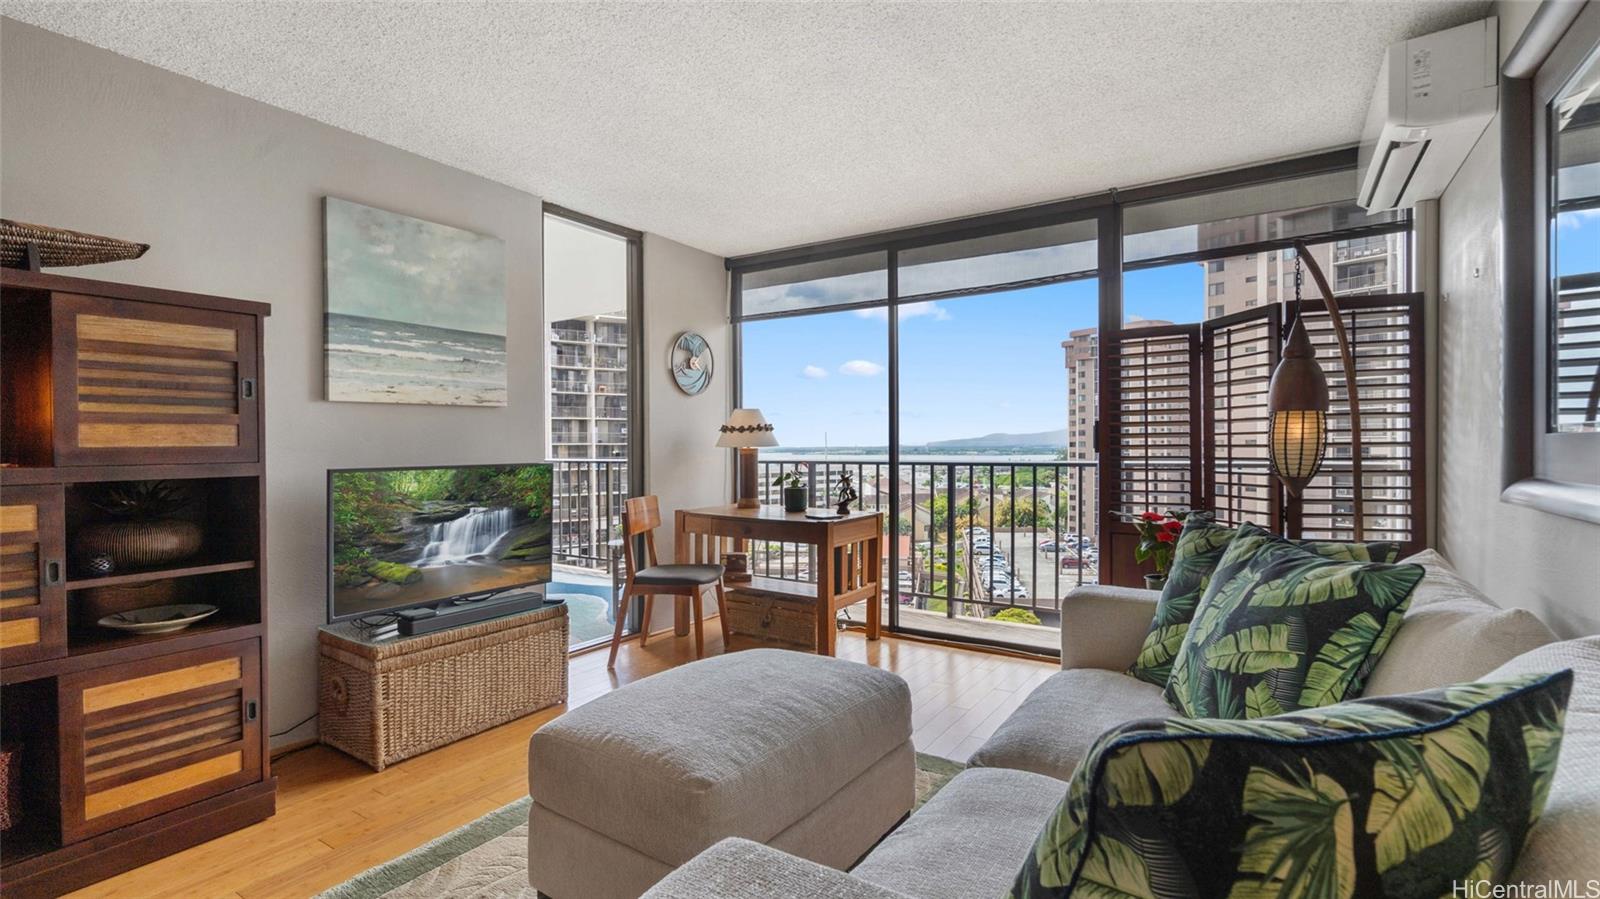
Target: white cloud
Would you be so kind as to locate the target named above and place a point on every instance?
(861, 368)
(1576, 218)
(913, 310)
(814, 372)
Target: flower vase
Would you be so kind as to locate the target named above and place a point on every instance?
(1155, 581)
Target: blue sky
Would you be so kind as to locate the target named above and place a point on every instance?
(968, 367)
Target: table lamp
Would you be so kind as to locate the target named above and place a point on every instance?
(746, 430)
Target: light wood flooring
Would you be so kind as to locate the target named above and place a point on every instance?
(336, 818)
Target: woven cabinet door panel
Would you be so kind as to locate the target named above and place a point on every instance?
(139, 383)
(33, 600)
(154, 735)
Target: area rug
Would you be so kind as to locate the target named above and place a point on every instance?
(489, 857)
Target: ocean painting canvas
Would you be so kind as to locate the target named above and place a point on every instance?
(416, 310)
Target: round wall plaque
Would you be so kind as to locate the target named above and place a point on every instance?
(691, 363)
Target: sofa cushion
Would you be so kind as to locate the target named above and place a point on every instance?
(1055, 726)
(743, 744)
(1566, 842)
(969, 840)
(1284, 628)
(1452, 634)
(740, 869)
(1194, 559)
(1391, 796)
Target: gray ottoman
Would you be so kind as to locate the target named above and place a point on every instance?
(809, 754)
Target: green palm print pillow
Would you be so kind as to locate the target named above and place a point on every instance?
(1200, 547)
(1282, 628)
(1389, 796)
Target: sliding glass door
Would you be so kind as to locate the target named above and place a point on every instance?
(1009, 388)
(590, 298)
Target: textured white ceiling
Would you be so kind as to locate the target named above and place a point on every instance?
(744, 127)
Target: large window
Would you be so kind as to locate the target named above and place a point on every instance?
(959, 374)
(1574, 297)
(591, 289)
(1550, 99)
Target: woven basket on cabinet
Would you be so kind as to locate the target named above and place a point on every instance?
(58, 246)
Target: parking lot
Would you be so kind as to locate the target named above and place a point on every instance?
(1027, 567)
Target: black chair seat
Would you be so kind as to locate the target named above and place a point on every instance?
(678, 575)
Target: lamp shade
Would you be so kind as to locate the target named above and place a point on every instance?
(1298, 403)
(747, 428)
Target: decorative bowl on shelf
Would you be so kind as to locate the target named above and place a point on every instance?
(158, 619)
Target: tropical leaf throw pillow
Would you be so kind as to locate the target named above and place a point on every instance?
(1282, 628)
(1389, 796)
(1194, 559)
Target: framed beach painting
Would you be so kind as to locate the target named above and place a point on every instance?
(416, 310)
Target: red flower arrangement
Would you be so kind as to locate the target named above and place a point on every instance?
(1158, 535)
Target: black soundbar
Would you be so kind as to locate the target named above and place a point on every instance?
(426, 621)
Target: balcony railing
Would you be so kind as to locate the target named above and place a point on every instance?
(587, 513)
(976, 538)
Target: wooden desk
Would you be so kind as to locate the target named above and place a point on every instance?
(849, 554)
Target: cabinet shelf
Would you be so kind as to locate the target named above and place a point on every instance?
(157, 574)
(99, 639)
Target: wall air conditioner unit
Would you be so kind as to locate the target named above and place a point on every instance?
(1434, 98)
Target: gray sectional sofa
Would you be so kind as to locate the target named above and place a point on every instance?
(969, 841)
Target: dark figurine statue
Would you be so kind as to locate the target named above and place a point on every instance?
(847, 494)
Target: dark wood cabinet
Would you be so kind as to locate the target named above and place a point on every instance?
(132, 746)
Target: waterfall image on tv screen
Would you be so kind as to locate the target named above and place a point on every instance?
(414, 536)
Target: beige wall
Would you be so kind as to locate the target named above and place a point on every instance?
(229, 193)
(1519, 556)
(685, 290)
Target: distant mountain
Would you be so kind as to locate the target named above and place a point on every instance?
(996, 441)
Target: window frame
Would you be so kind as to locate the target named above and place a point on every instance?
(1106, 209)
(1552, 471)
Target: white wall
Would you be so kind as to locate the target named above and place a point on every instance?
(1519, 556)
(228, 192)
(685, 290)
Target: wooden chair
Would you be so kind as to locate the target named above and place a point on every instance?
(640, 518)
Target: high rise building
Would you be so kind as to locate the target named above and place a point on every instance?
(1082, 348)
(588, 359)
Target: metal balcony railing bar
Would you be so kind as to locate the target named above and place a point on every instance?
(1024, 507)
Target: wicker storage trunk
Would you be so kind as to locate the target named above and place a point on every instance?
(383, 700)
(772, 615)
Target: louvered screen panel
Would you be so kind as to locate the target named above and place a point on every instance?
(1152, 424)
(1241, 353)
(1385, 334)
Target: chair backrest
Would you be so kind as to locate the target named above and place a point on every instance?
(641, 515)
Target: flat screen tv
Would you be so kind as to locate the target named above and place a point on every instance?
(406, 537)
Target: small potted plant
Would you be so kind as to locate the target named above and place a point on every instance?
(794, 490)
(1158, 535)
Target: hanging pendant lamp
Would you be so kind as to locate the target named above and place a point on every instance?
(1298, 401)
